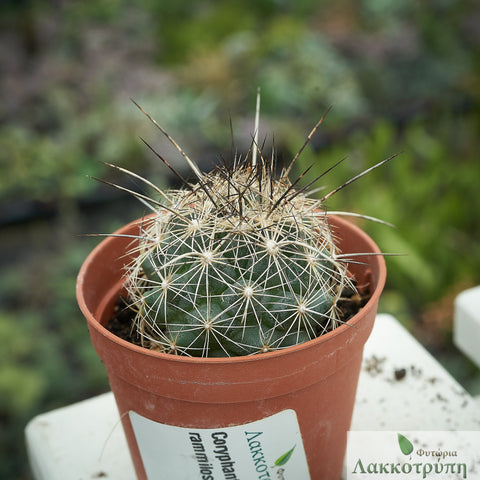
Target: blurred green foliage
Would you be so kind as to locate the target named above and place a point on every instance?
(401, 76)
(50, 166)
(46, 358)
(429, 193)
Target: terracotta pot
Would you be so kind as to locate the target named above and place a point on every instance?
(313, 384)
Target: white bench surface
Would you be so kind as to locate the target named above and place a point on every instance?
(401, 387)
(466, 332)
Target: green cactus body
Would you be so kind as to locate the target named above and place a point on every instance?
(237, 264)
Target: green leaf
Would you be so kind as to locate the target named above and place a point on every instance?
(405, 445)
(282, 460)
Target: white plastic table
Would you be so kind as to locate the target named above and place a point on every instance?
(401, 387)
(466, 332)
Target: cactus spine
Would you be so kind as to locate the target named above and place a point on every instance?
(239, 262)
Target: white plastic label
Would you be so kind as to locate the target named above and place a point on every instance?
(270, 448)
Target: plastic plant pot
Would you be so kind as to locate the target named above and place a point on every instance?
(281, 414)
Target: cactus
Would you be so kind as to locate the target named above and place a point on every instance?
(238, 262)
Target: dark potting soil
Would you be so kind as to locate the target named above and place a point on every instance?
(121, 323)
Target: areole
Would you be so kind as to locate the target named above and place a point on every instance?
(315, 380)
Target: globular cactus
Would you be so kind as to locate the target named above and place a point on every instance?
(235, 267)
(237, 263)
